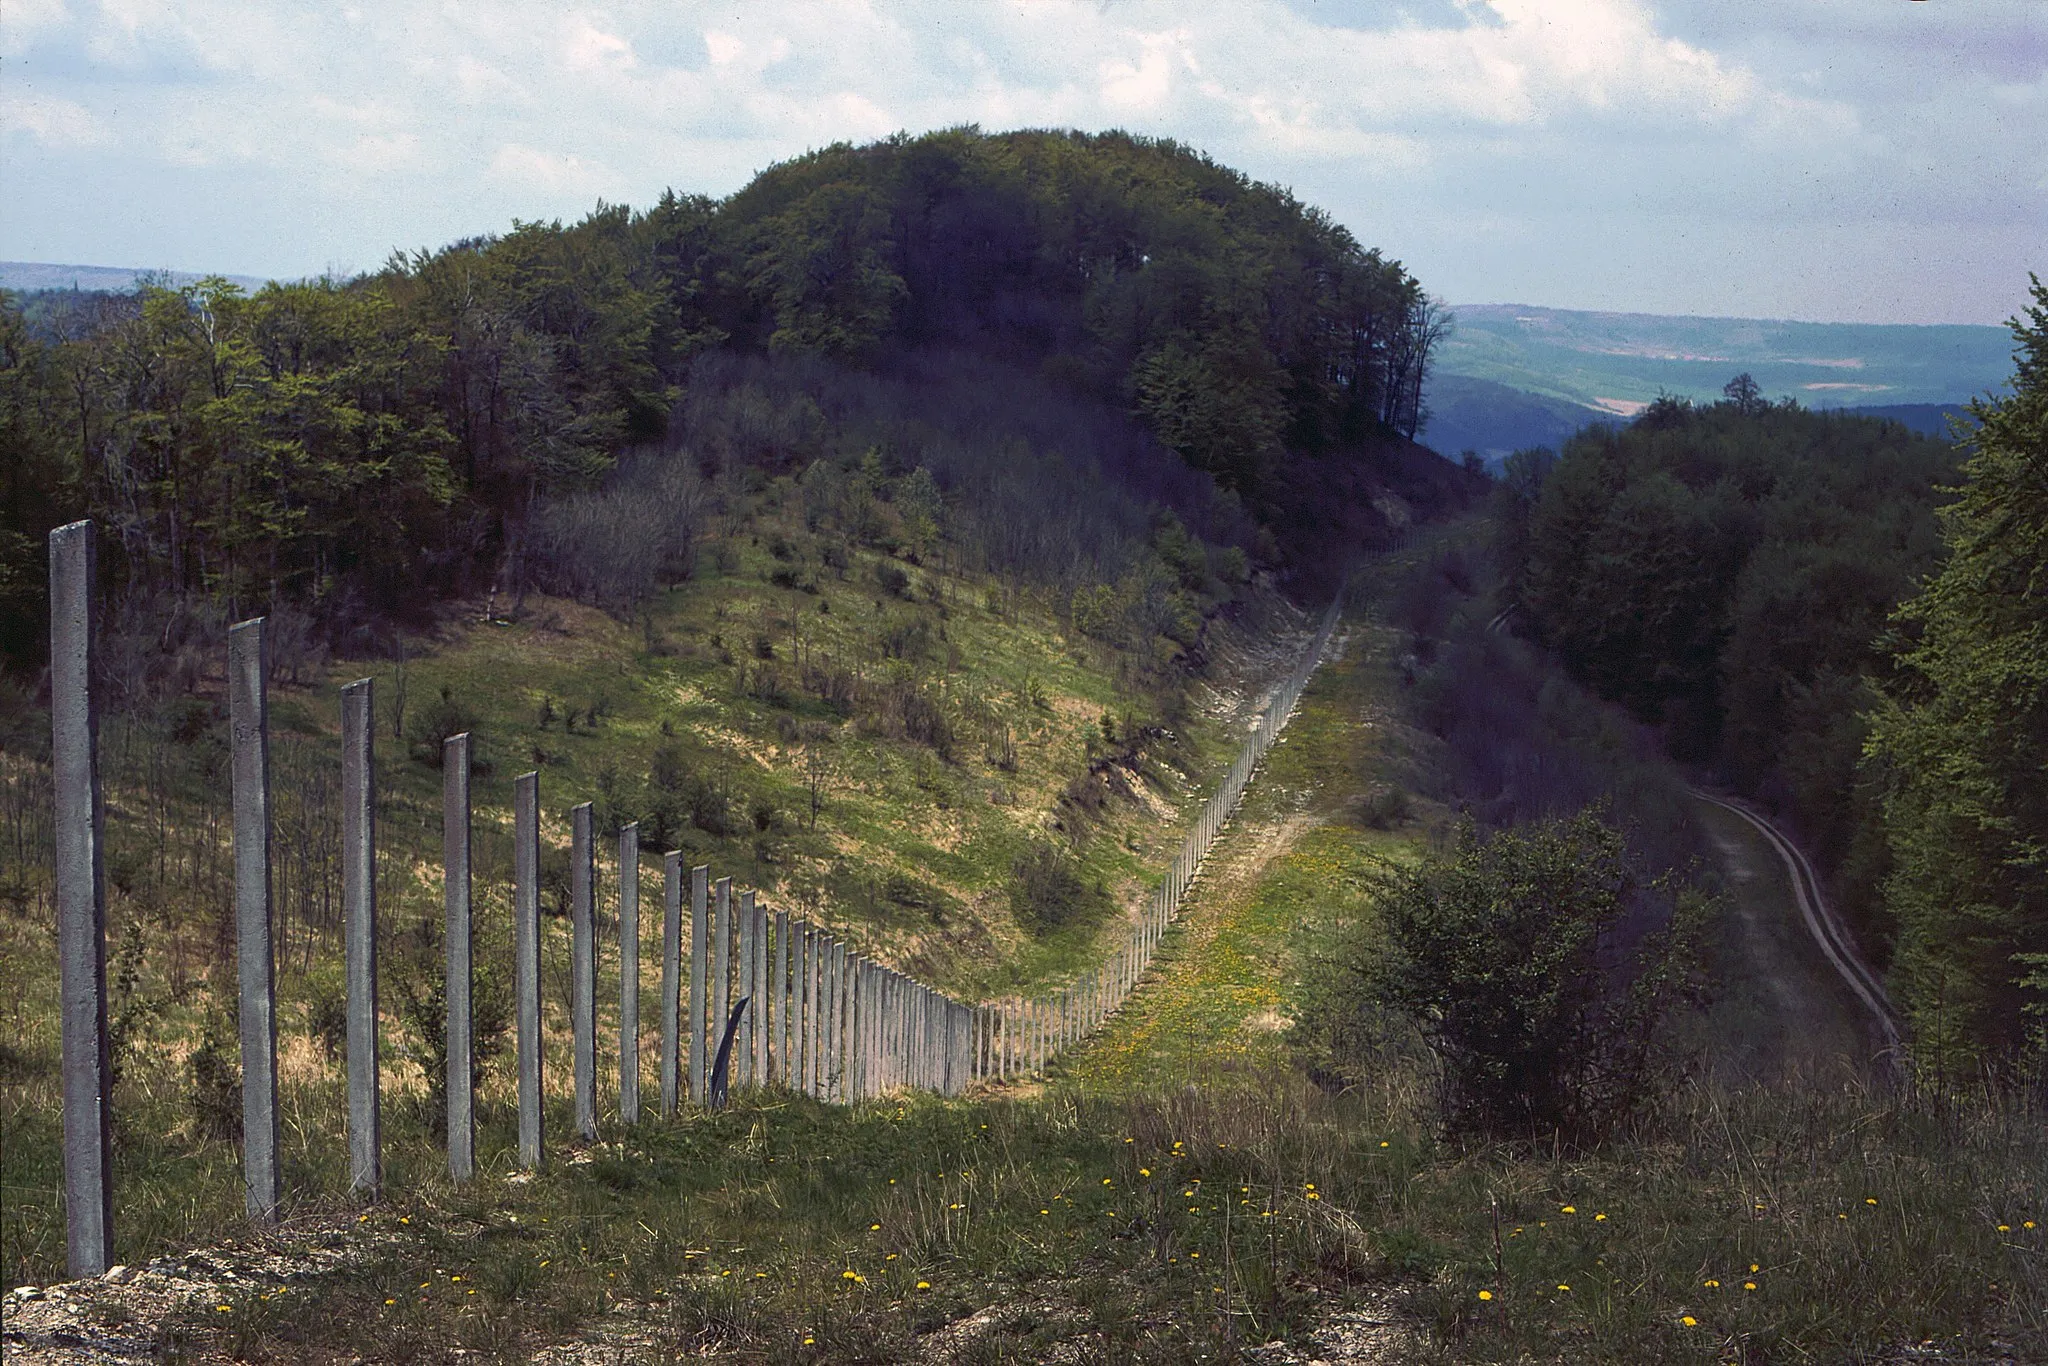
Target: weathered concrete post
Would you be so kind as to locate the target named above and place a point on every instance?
(806, 1016)
(700, 967)
(629, 973)
(583, 967)
(758, 989)
(526, 961)
(671, 978)
(81, 902)
(784, 1036)
(743, 985)
(249, 724)
(720, 965)
(359, 931)
(753, 981)
(455, 896)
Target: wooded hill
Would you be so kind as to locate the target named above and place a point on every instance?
(334, 446)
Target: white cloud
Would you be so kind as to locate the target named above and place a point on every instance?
(52, 122)
(530, 168)
(1575, 125)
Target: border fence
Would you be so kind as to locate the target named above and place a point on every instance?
(768, 1000)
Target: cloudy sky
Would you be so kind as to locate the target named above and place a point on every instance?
(1835, 160)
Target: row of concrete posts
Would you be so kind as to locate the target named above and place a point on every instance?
(769, 1000)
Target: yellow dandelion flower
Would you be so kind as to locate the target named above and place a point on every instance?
(1754, 1268)
(1869, 1199)
(2005, 1228)
(846, 1275)
(229, 1309)
(1711, 1285)
(810, 1342)
(391, 1301)
(1565, 1288)
(2028, 1224)
(924, 1285)
(1384, 1143)
(1569, 1209)
(1144, 1171)
(1486, 1294)
(1749, 1285)
(1689, 1321)
(1106, 1181)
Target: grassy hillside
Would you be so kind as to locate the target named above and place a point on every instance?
(874, 741)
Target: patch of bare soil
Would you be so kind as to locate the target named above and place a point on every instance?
(132, 1312)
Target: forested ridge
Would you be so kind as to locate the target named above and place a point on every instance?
(336, 447)
(1844, 620)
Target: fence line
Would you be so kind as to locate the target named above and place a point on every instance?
(809, 1012)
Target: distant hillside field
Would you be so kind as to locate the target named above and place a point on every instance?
(1620, 361)
(1512, 376)
(28, 276)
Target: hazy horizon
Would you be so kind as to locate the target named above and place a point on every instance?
(1842, 163)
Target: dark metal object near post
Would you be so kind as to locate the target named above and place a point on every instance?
(719, 1078)
(81, 904)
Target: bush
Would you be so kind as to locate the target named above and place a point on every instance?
(1540, 968)
(1046, 890)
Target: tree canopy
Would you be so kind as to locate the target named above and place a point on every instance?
(1960, 741)
(338, 443)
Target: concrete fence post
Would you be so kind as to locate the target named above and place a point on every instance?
(671, 979)
(720, 965)
(780, 1054)
(583, 967)
(81, 902)
(359, 931)
(700, 971)
(799, 1008)
(828, 1000)
(629, 973)
(526, 962)
(757, 919)
(249, 724)
(455, 865)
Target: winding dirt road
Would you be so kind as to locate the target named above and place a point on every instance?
(1825, 933)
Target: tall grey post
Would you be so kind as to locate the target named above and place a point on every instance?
(583, 967)
(526, 960)
(455, 882)
(806, 1024)
(720, 968)
(757, 987)
(249, 724)
(780, 991)
(359, 931)
(671, 975)
(629, 973)
(700, 950)
(81, 903)
(743, 986)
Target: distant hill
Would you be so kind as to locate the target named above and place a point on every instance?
(1619, 361)
(1467, 414)
(26, 276)
(1928, 419)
